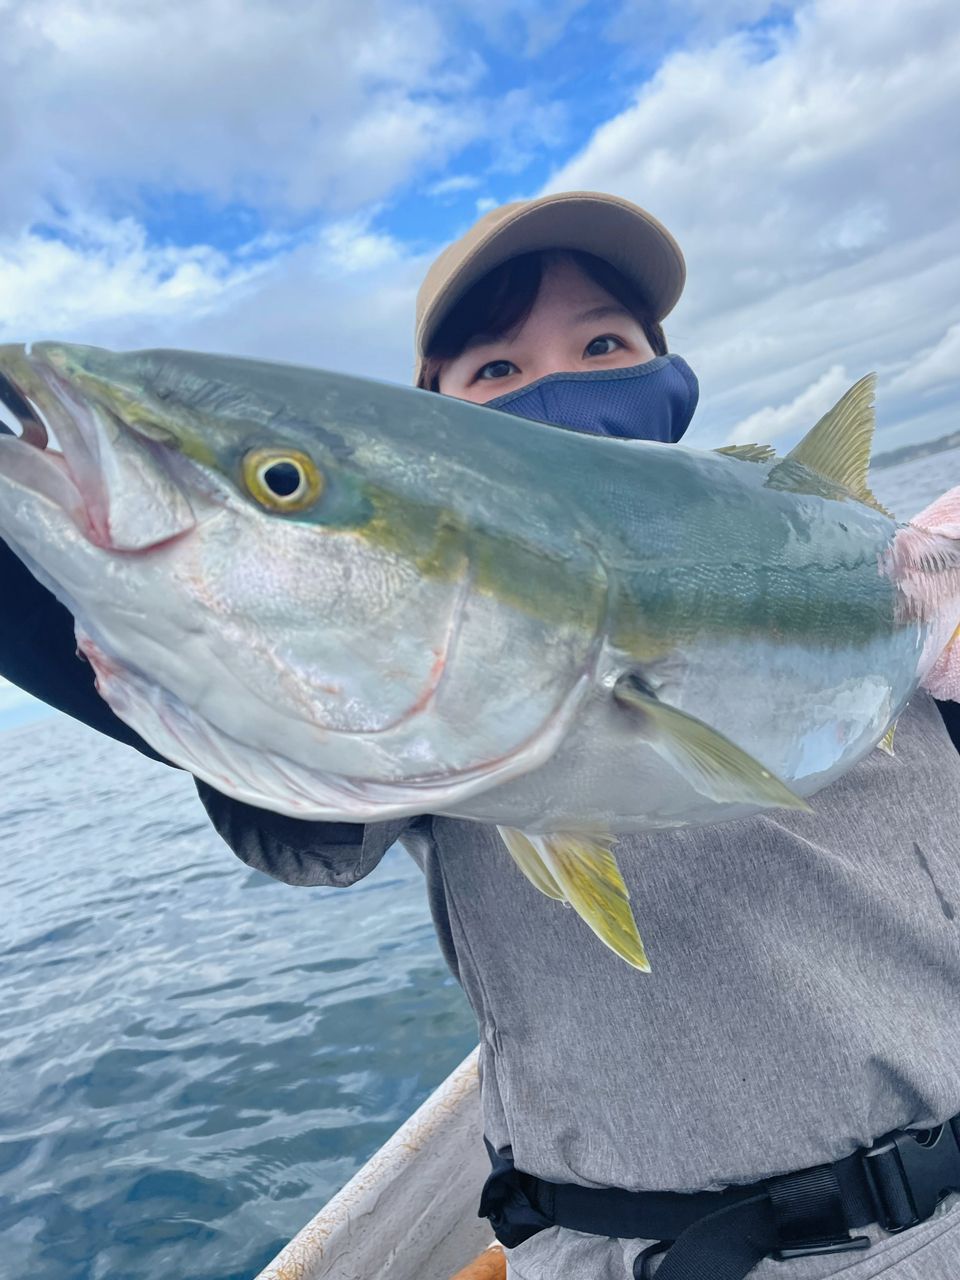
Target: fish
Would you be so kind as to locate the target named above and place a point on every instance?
(346, 600)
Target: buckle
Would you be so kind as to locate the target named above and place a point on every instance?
(842, 1245)
(643, 1262)
(910, 1171)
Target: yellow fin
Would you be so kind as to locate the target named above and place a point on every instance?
(886, 742)
(711, 763)
(838, 447)
(527, 858)
(749, 452)
(587, 872)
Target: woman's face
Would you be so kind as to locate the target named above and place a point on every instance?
(574, 326)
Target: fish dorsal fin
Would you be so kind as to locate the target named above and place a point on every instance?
(749, 452)
(838, 447)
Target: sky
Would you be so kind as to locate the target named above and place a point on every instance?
(18, 708)
(273, 178)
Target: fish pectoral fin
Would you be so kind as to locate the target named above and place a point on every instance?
(886, 742)
(587, 873)
(525, 854)
(838, 446)
(748, 452)
(713, 765)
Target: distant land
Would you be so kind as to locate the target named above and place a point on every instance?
(923, 449)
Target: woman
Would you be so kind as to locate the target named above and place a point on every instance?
(803, 1002)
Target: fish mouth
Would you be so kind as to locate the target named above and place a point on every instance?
(32, 428)
(75, 452)
(63, 476)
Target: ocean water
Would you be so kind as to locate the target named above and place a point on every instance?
(193, 1057)
(907, 488)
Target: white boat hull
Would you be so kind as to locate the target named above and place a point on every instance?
(411, 1212)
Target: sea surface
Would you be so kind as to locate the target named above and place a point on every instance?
(193, 1057)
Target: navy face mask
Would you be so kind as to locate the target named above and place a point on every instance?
(650, 401)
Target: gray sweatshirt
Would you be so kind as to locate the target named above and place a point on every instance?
(805, 985)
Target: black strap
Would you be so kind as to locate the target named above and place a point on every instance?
(651, 1215)
(725, 1245)
(797, 1214)
(722, 1235)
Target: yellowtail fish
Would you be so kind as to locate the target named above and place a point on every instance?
(350, 601)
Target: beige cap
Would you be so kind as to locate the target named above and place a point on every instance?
(610, 227)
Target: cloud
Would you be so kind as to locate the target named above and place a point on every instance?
(454, 185)
(351, 246)
(338, 301)
(339, 298)
(285, 106)
(106, 272)
(312, 117)
(938, 366)
(526, 30)
(653, 27)
(803, 170)
(801, 159)
(304, 310)
(527, 124)
(302, 123)
(798, 415)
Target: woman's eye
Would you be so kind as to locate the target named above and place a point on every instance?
(592, 347)
(497, 369)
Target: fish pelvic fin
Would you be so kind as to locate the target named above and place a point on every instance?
(524, 853)
(838, 446)
(886, 742)
(581, 870)
(713, 765)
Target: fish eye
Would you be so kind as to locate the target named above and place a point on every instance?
(282, 479)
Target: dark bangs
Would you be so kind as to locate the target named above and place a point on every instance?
(498, 304)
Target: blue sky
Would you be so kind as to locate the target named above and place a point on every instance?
(18, 708)
(273, 178)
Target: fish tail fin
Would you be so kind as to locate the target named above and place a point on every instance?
(925, 563)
